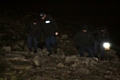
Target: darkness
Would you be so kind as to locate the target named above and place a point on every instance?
(91, 12)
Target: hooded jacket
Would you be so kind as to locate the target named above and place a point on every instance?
(84, 39)
(102, 36)
(49, 26)
(34, 30)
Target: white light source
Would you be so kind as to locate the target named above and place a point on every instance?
(48, 21)
(106, 45)
(41, 14)
(56, 33)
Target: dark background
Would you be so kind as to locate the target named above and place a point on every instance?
(90, 12)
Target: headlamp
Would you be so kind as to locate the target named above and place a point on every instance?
(48, 21)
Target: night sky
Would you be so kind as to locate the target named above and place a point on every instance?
(89, 12)
(94, 12)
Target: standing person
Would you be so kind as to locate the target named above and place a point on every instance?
(34, 31)
(84, 40)
(102, 35)
(50, 29)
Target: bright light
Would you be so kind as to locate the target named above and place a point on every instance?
(56, 33)
(41, 14)
(47, 21)
(106, 45)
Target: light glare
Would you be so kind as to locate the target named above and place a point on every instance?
(106, 45)
(47, 21)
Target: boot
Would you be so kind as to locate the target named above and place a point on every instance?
(35, 51)
(30, 49)
(49, 54)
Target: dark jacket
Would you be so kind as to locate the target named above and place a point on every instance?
(50, 28)
(84, 39)
(34, 30)
(101, 36)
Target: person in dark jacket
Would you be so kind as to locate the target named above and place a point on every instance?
(84, 40)
(101, 36)
(34, 31)
(50, 29)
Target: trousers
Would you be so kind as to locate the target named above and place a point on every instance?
(32, 42)
(50, 42)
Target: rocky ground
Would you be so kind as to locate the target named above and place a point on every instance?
(17, 63)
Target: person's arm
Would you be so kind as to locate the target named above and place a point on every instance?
(55, 26)
(76, 42)
(92, 39)
(107, 35)
(27, 27)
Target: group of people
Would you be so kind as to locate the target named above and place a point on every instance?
(46, 25)
(92, 41)
(83, 40)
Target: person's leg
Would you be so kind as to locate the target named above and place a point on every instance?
(53, 43)
(90, 51)
(29, 40)
(81, 52)
(47, 41)
(35, 45)
(95, 49)
(102, 51)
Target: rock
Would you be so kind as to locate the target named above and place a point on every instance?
(7, 48)
(37, 61)
(14, 57)
(60, 65)
(64, 36)
(71, 59)
(82, 71)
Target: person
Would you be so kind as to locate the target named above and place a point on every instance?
(50, 29)
(34, 31)
(101, 36)
(84, 40)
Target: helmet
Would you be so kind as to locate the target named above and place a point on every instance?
(42, 14)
